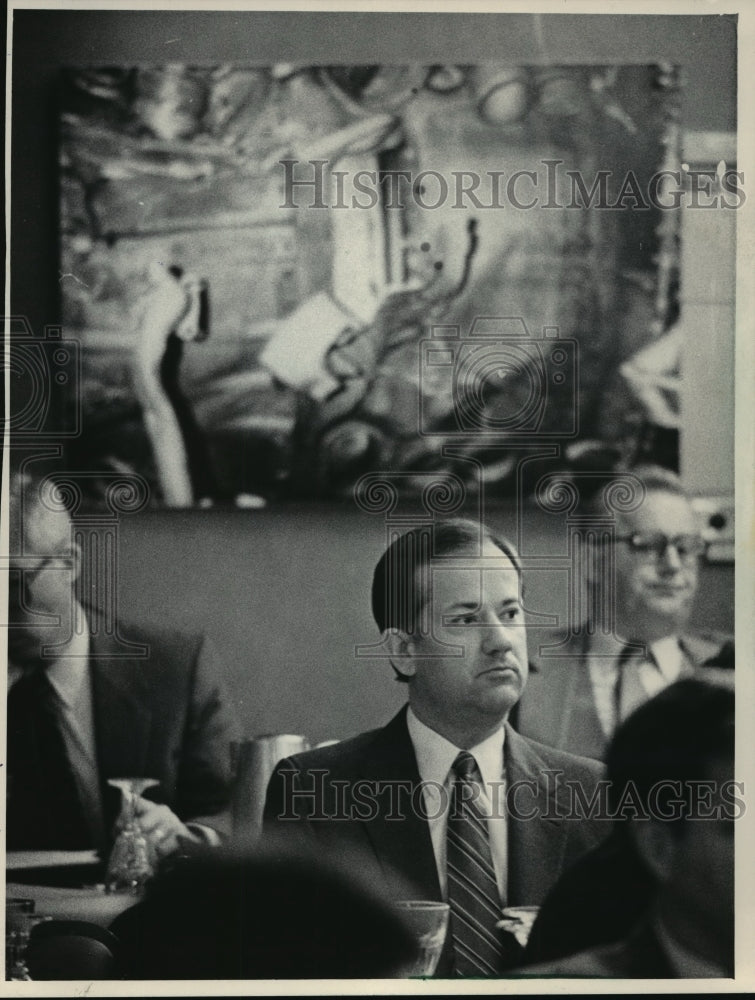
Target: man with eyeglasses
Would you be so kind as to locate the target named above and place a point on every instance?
(637, 641)
(80, 712)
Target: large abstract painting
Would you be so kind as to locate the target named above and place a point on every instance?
(285, 277)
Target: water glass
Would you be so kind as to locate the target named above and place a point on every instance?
(427, 920)
(131, 863)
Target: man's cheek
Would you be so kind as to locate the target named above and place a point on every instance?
(645, 580)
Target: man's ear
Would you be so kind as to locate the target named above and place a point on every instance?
(594, 557)
(401, 647)
(656, 843)
(76, 561)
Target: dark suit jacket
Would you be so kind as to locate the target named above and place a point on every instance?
(164, 716)
(558, 706)
(639, 956)
(359, 803)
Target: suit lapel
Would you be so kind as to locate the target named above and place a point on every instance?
(698, 649)
(402, 845)
(121, 710)
(537, 844)
(562, 678)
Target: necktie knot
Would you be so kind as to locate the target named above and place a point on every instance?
(465, 766)
(630, 651)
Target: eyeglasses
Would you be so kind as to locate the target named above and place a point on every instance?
(688, 547)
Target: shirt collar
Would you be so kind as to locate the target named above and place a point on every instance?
(668, 657)
(604, 645)
(435, 754)
(665, 653)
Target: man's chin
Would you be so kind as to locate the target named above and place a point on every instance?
(675, 607)
(661, 619)
(504, 691)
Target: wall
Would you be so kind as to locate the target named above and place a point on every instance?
(285, 597)
(284, 593)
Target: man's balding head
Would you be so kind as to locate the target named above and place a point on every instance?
(654, 577)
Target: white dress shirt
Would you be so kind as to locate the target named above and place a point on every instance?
(664, 664)
(435, 756)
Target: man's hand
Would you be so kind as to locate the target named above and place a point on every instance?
(160, 826)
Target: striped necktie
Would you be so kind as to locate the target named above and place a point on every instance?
(472, 888)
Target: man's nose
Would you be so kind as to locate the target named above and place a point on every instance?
(496, 633)
(670, 559)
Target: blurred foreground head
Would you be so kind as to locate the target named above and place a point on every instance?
(228, 915)
(669, 768)
(671, 772)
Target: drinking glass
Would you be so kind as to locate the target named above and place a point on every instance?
(428, 922)
(131, 864)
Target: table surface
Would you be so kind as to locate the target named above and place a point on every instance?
(75, 902)
(49, 859)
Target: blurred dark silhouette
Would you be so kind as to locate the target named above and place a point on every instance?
(72, 949)
(238, 915)
(598, 900)
(656, 899)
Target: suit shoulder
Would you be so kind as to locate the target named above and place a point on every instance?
(710, 635)
(570, 763)
(172, 656)
(709, 649)
(147, 632)
(161, 635)
(554, 650)
(341, 756)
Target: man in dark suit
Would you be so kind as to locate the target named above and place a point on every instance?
(79, 713)
(446, 801)
(641, 586)
(671, 787)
